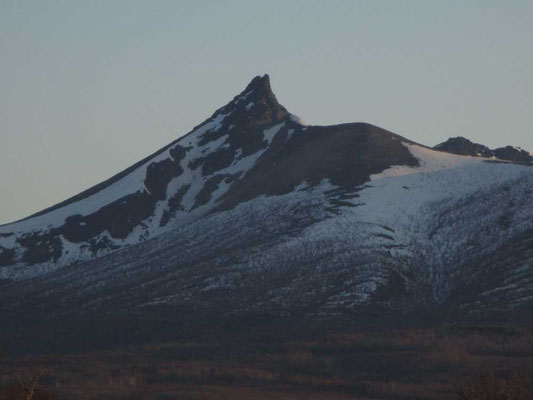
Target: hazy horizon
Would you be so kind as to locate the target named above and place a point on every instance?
(89, 88)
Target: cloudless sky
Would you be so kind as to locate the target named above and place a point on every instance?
(87, 88)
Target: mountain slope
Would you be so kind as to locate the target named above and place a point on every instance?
(254, 212)
(174, 184)
(250, 147)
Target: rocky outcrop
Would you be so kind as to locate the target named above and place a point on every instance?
(462, 146)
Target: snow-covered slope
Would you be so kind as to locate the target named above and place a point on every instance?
(256, 212)
(176, 185)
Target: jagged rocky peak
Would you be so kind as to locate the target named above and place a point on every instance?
(512, 153)
(462, 146)
(255, 106)
(262, 102)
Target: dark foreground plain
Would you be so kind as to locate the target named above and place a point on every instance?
(284, 361)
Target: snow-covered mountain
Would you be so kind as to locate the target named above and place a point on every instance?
(256, 212)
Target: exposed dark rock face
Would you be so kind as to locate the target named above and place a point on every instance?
(159, 174)
(463, 146)
(174, 204)
(210, 185)
(118, 218)
(256, 106)
(511, 153)
(40, 248)
(7, 256)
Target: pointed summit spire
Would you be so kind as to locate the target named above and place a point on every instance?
(255, 105)
(260, 101)
(259, 83)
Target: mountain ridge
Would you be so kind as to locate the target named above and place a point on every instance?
(256, 212)
(258, 82)
(239, 126)
(455, 145)
(463, 146)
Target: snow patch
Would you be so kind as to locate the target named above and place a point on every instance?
(269, 133)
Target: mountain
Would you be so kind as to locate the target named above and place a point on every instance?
(463, 146)
(254, 212)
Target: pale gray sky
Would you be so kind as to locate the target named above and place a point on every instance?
(87, 88)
